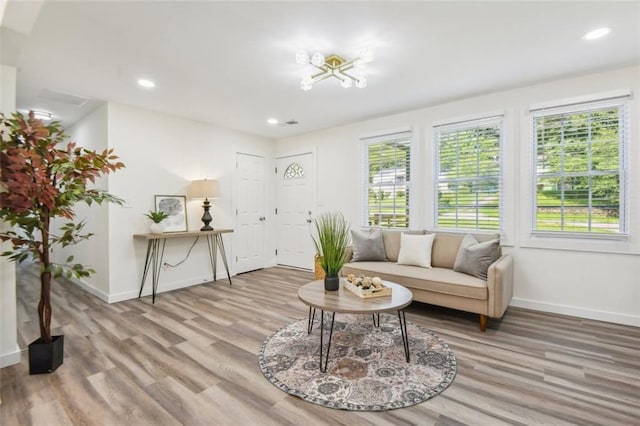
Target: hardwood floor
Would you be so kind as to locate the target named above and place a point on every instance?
(192, 359)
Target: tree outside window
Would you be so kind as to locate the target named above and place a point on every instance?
(579, 169)
(388, 181)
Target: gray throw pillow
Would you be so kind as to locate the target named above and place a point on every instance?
(367, 245)
(475, 259)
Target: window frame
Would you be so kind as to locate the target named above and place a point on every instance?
(468, 124)
(581, 106)
(366, 142)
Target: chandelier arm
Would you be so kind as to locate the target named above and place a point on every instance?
(345, 66)
(348, 75)
(323, 68)
(321, 76)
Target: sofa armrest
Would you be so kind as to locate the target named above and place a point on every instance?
(500, 286)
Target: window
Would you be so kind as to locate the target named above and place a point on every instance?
(579, 167)
(468, 174)
(387, 181)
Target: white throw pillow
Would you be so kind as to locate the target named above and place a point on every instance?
(416, 250)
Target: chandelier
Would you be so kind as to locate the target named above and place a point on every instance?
(336, 67)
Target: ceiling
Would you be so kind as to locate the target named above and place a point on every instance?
(232, 64)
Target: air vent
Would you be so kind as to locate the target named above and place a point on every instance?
(290, 122)
(63, 98)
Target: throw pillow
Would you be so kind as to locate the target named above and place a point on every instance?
(367, 245)
(416, 250)
(475, 259)
(467, 241)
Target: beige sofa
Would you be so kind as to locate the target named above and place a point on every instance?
(441, 285)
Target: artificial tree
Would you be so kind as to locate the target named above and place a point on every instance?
(43, 179)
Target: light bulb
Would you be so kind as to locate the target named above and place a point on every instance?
(361, 83)
(302, 58)
(306, 83)
(317, 59)
(346, 82)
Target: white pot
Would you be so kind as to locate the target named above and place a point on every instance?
(157, 228)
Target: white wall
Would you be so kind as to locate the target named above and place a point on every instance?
(91, 133)
(579, 277)
(162, 154)
(9, 351)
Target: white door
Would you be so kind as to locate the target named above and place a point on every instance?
(250, 217)
(294, 210)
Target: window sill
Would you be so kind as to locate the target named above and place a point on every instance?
(580, 236)
(619, 244)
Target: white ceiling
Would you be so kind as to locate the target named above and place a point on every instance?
(232, 64)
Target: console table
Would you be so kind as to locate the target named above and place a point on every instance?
(155, 253)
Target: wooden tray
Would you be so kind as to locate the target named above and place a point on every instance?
(370, 292)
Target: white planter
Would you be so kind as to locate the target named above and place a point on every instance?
(157, 228)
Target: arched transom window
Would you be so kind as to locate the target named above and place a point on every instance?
(294, 171)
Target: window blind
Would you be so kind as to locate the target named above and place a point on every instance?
(387, 180)
(469, 174)
(580, 167)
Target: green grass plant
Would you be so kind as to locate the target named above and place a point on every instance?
(331, 241)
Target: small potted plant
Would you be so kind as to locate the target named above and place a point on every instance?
(157, 227)
(331, 244)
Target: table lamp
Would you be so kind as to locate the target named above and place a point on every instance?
(204, 188)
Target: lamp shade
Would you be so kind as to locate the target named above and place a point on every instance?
(204, 188)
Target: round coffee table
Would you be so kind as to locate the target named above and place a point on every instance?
(342, 300)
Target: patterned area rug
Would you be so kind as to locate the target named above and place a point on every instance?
(367, 369)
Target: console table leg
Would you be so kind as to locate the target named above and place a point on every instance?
(326, 357)
(224, 255)
(405, 335)
(211, 242)
(158, 257)
(147, 260)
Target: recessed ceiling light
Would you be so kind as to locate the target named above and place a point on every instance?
(597, 33)
(272, 121)
(146, 83)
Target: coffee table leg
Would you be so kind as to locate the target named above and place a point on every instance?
(312, 316)
(405, 335)
(326, 357)
(375, 316)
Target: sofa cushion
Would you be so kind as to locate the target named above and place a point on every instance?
(391, 240)
(367, 245)
(439, 280)
(415, 250)
(475, 259)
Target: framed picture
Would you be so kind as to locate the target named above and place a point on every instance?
(176, 207)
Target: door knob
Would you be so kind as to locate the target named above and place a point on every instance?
(262, 218)
(308, 220)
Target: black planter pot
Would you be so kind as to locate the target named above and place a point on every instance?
(46, 357)
(331, 283)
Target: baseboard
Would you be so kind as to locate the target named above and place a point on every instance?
(574, 311)
(91, 289)
(10, 358)
(163, 287)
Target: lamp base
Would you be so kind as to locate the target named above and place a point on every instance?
(206, 217)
